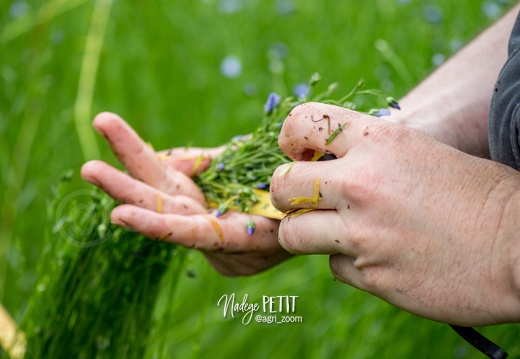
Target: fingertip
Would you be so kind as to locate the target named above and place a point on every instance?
(90, 171)
(90, 167)
(122, 215)
(320, 127)
(106, 120)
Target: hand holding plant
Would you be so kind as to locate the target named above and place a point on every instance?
(162, 202)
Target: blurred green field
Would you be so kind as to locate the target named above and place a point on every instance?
(198, 72)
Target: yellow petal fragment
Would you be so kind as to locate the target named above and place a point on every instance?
(197, 163)
(309, 200)
(316, 195)
(298, 212)
(163, 157)
(317, 155)
(216, 226)
(163, 237)
(159, 202)
(301, 200)
(264, 207)
(287, 169)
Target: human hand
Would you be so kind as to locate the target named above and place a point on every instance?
(162, 202)
(413, 221)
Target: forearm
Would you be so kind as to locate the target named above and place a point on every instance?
(452, 104)
(509, 237)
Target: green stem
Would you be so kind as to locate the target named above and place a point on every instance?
(87, 79)
(395, 61)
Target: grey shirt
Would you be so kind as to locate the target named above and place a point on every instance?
(504, 113)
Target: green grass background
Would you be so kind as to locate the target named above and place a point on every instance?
(159, 68)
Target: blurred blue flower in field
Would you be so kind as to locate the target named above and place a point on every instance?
(231, 66)
(432, 14)
(300, 90)
(437, 59)
(229, 6)
(284, 7)
(278, 50)
(220, 166)
(491, 9)
(456, 44)
(18, 9)
(272, 101)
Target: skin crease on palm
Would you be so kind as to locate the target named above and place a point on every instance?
(405, 214)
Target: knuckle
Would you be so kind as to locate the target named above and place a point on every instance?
(388, 133)
(362, 184)
(373, 279)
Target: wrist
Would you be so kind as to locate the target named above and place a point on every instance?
(510, 230)
(505, 250)
(424, 121)
(462, 128)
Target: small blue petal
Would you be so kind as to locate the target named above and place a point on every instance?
(392, 103)
(300, 90)
(220, 166)
(261, 185)
(219, 213)
(272, 101)
(383, 112)
(250, 226)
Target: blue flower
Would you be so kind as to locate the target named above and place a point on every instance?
(272, 101)
(261, 185)
(250, 226)
(393, 103)
(300, 90)
(223, 208)
(220, 166)
(383, 112)
(231, 67)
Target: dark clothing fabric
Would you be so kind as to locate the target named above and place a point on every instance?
(504, 114)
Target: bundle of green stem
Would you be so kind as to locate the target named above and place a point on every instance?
(97, 285)
(233, 179)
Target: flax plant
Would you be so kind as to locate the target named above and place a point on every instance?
(235, 179)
